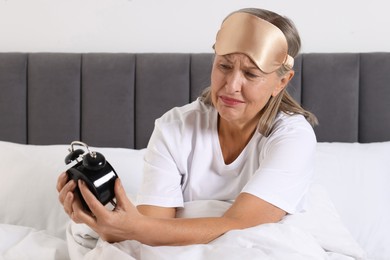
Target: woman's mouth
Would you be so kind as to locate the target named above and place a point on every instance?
(230, 101)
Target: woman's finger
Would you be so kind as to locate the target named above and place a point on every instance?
(61, 181)
(68, 187)
(96, 207)
(120, 194)
(67, 203)
(80, 215)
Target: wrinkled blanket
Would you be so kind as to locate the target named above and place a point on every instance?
(292, 238)
(19, 242)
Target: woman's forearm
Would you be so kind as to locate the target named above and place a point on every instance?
(177, 231)
(126, 222)
(247, 211)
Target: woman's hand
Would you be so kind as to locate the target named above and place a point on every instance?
(112, 226)
(66, 194)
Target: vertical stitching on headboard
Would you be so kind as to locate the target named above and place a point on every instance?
(359, 99)
(27, 92)
(81, 98)
(190, 78)
(301, 94)
(135, 103)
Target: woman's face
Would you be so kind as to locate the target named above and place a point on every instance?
(239, 90)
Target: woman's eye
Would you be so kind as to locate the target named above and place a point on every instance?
(224, 66)
(250, 75)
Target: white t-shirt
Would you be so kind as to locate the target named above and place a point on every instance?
(184, 161)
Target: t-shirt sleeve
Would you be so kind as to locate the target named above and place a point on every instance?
(161, 184)
(286, 168)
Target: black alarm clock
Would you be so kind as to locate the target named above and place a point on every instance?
(94, 170)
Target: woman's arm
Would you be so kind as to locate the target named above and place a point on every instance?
(157, 212)
(125, 222)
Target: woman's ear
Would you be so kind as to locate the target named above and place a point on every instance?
(283, 82)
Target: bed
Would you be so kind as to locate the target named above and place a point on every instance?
(110, 102)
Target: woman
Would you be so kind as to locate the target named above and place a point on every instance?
(244, 140)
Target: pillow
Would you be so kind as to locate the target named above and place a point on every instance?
(28, 182)
(323, 222)
(357, 178)
(128, 164)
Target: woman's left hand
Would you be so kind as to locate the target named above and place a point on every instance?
(112, 226)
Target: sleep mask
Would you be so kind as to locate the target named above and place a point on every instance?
(263, 42)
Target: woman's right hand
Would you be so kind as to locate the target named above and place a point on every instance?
(66, 194)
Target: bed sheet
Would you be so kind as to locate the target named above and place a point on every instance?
(295, 237)
(20, 242)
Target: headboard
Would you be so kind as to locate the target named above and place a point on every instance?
(112, 99)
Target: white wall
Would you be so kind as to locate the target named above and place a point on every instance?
(181, 25)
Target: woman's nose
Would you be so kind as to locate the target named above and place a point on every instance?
(234, 82)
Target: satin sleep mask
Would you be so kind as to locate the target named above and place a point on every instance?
(262, 41)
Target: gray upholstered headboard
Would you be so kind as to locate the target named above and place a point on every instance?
(112, 100)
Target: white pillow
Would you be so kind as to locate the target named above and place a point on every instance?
(323, 222)
(357, 178)
(128, 164)
(28, 182)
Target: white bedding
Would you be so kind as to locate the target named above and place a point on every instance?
(356, 176)
(18, 242)
(271, 241)
(296, 237)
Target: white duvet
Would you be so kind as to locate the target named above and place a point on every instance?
(271, 241)
(19, 242)
(33, 223)
(295, 237)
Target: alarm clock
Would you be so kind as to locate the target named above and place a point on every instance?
(94, 170)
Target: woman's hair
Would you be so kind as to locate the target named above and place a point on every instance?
(283, 101)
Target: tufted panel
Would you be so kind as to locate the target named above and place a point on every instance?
(330, 89)
(53, 100)
(108, 99)
(13, 97)
(374, 112)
